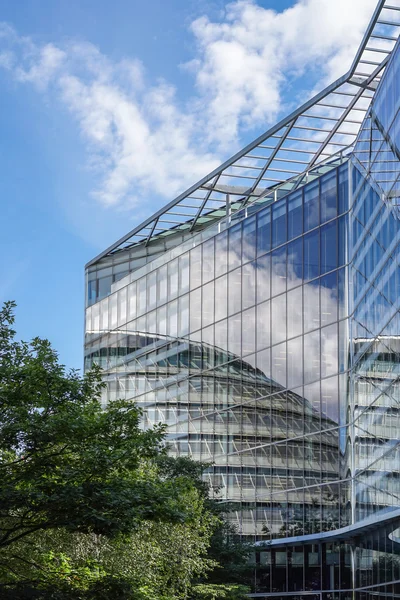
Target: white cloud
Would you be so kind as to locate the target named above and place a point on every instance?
(142, 139)
(245, 60)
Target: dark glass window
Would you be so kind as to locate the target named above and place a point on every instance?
(263, 231)
(328, 197)
(295, 214)
(343, 189)
(92, 292)
(311, 255)
(311, 206)
(342, 247)
(279, 225)
(104, 286)
(329, 247)
(249, 239)
(295, 262)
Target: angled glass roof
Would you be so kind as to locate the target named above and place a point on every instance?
(322, 130)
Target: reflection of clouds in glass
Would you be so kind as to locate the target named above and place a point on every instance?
(306, 358)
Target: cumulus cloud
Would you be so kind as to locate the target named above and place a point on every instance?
(245, 60)
(142, 139)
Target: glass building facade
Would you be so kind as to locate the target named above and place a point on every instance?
(267, 339)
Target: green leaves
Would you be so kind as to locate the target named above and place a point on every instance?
(91, 505)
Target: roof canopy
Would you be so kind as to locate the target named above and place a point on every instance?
(322, 129)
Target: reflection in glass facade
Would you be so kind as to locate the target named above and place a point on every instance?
(268, 342)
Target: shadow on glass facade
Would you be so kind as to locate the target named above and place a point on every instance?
(268, 343)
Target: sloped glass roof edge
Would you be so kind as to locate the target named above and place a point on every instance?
(321, 128)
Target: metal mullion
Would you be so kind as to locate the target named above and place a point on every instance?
(309, 141)
(237, 176)
(344, 94)
(284, 171)
(323, 118)
(257, 157)
(370, 62)
(357, 97)
(381, 50)
(311, 128)
(181, 214)
(297, 150)
(383, 22)
(152, 230)
(274, 153)
(246, 167)
(205, 200)
(271, 179)
(384, 37)
(361, 74)
(291, 160)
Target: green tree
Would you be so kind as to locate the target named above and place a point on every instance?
(91, 506)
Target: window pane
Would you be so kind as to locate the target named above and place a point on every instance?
(279, 233)
(249, 239)
(264, 231)
(221, 253)
(295, 214)
(311, 206)
(235, 246)
(329, 247)
(278, 319)
(278, 271)
(263, 278)
(295, 263)
(208, 260)
(328, 197)
(173, 279)
(221, 297)
(311, 255)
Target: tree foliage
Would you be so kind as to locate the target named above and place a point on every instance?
(91, 506)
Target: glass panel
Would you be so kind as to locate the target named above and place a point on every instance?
(195, 267)
(295, 214)
(207, 304)
(278, 318)
(195, 309)
(235, 246)
(295, 263)
(263, 328)
(221, 297)
(329, 247)
(311, 255)
(311, 206)
(173, 279)
(104, 286)
(248, 285)
(152, 289)
(263, 278)
(328, 196)
(249, 239)
(235, 291)
(221, 253)
(208, 260)
(279, 225)
(263, 231)
(162, 284)
(295, 312)
(278, 271)
(184, 273)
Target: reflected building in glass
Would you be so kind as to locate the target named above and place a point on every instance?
(257, 316)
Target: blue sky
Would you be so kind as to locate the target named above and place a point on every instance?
(109, 109)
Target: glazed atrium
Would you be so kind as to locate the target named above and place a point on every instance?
(257, 316)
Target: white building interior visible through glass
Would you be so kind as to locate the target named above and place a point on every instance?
(257, 316)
